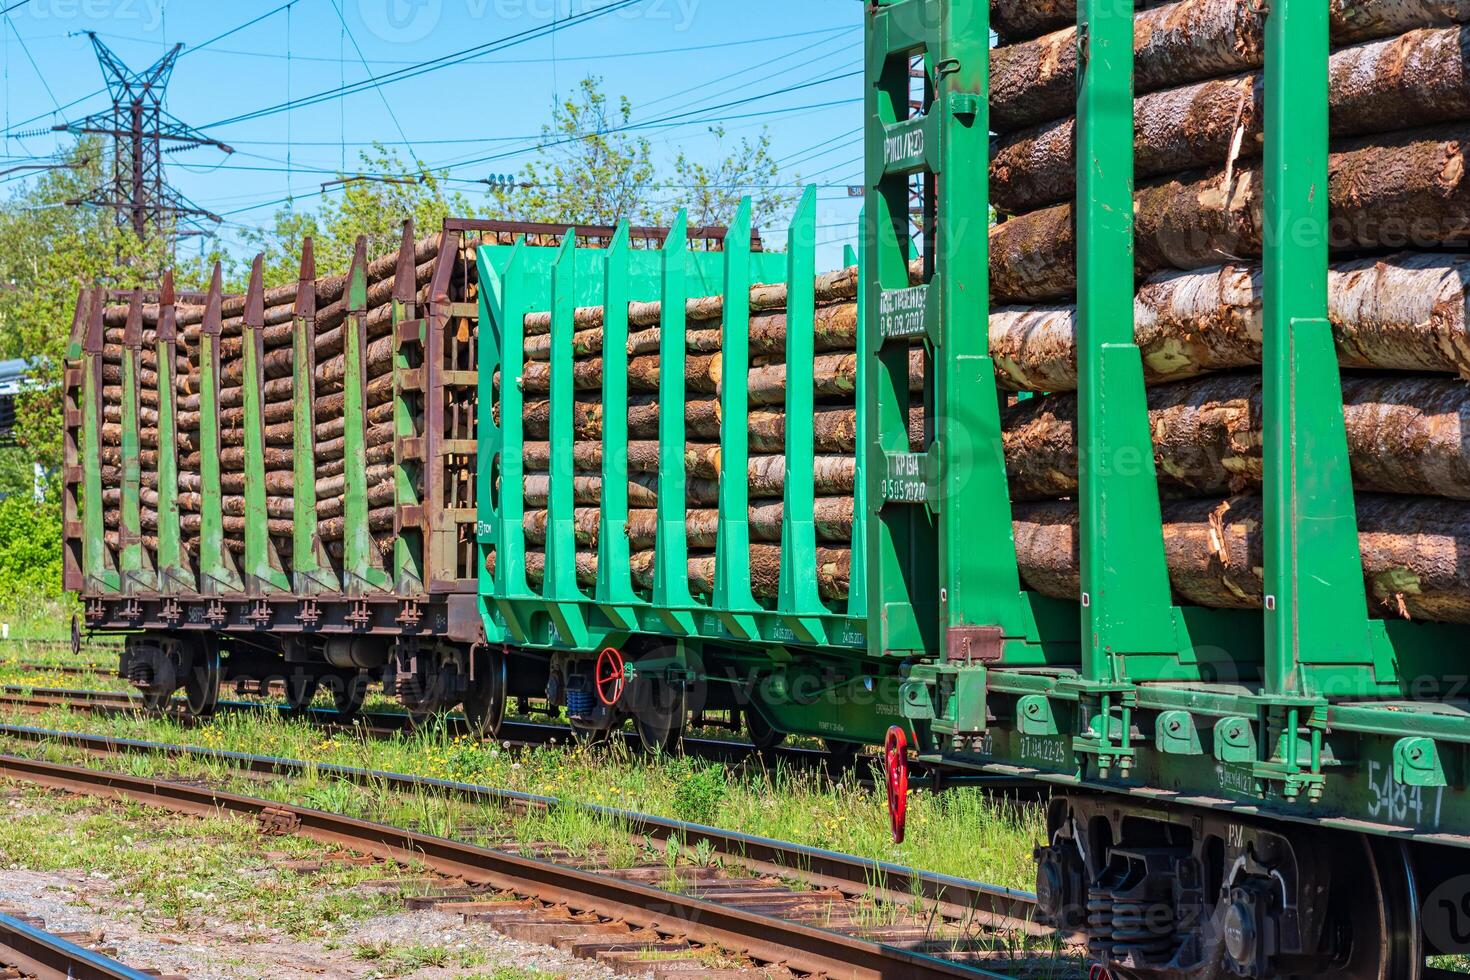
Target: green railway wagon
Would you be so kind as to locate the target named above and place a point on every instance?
(1268, 786)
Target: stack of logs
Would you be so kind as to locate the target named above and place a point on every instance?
(1400, 123)
(834, 424)
(1400, 97)
(326, 334)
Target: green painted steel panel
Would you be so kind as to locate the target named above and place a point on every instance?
(175, 570)
(521, 279)
(218, 573)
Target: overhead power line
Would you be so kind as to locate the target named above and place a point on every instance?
(61, 109)
(425, 67)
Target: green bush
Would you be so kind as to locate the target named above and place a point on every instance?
(30, 550)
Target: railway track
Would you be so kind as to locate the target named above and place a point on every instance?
(823, 924)
(513, 733)
(28, 951)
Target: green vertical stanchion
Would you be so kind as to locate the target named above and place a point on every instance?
(732, 595)
(408, 333)
(614, 577)
(362, 569)
(262, 569)
(133, 564)
(98, 568)
(902, 542)
(968, 605)
(560, 585)
(490, 443)
(510, 533)
(857, 587)
(1316, 602)
(311, 569)
(671, 545)
(1127, 605)
(217, 571)
(175, 572)
(800, 601)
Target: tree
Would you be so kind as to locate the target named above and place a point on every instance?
(374, 202)
(589, 170)
(713, 193)
(48, 252)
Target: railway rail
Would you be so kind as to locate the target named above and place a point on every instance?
(515, 733)
(817, 930)
(27, 950)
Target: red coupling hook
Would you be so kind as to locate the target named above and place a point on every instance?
(610, 677)
(896, 764)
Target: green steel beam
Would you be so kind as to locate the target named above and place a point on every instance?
(511, 587)
(1127, 602)
(615, 592)
(902, 540)
(560, 584)
(133, 562)
(408, 442)
(671, 545)
(175, 571)
(488, 474)
(942, 564)
(857, 585)
(311, 569)
(800, 600)
(262, 570)
(98, 568)
(733, 600)
(1316, 601)
(362, 566)
(217, 571)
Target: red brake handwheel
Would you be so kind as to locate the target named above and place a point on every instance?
(896, 762)
(610, 677)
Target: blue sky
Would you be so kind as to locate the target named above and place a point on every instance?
(682, 61)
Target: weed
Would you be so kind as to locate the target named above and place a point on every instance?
(698, 795)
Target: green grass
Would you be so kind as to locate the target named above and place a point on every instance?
(172, 872)
(785, 803)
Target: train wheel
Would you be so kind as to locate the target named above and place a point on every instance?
(484, 702)
(659, 716)
(760, 732)
(202, 680)
(1375, 913)
(301, 690)
(153, 668)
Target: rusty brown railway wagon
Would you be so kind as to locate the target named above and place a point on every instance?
(281, 484)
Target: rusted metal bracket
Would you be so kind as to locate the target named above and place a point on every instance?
(309, 612)
(276, 822)
(411, 615)
(260, 613)
(361, 615)
(974, 644)
(218, 614)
